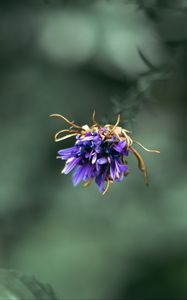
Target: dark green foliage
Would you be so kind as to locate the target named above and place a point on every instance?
(15, 285)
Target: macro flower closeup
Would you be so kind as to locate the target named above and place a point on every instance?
(93, 156)
(99, 153)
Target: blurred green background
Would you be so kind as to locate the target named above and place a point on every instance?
(72, 57)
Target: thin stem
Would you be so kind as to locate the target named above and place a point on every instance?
(88, 182)
(93, 118)
(107, 187)
(117, 123)
(141, 164)
(64, 130)
(65, 119)
(128, 139)
(65, 137)
(148, 150)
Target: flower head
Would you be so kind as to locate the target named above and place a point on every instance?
(99, 153)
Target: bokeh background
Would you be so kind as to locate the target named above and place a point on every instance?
(72, 57)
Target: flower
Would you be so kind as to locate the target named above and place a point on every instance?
(99, 153)
(96, 157)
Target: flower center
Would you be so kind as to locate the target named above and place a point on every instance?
(102, 148)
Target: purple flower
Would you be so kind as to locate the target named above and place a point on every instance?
(99, 152)
(93, 156)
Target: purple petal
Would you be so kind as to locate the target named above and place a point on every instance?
(97, 140)
(121, 177)
(81, 173)
(87, 138)
(94, 158)
(105, 172)
(98, 168)
(68, 152)
(123, 168)
(119, 147)
(88, 133)
(86, 171)
(102, 161)
(90, 155)
(125, 152)
(89, 173)
(113, 169)
(98, 149)
(64, 157)
(102, 130)
(77, 176)
(117, 165)
(100, 182)
(70, 165)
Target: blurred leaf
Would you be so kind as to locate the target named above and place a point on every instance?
(14, 285)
